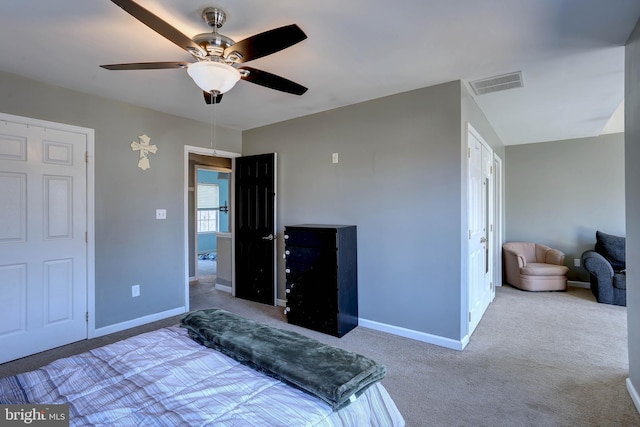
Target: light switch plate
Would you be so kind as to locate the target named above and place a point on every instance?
(161, 214)
(334, 158)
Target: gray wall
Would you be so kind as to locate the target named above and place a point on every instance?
(632, 158)
(559, 193)
(399, 180)
(131, 246)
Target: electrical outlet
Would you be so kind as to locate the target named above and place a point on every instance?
(576, 262)
(135, 291)
(161, 214)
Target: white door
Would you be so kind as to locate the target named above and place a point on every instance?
(43, 249)
(480, 159)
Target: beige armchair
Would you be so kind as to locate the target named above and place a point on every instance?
(534, 267)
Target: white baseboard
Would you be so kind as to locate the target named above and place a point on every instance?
(464, 342)
(415, 335)
(223, 288)
(406, 333)
(634, 394)
(576, 284)
(137, 322)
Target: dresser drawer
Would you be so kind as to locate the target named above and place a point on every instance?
(309, 238)
(302, 254)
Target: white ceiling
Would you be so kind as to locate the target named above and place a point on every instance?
(570, 52)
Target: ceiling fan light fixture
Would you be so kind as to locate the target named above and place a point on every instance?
(213, 76)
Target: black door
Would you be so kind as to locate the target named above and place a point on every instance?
(255, 228)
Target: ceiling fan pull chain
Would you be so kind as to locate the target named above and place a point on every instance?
(214, 94)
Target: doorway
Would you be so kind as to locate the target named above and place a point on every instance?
(238, 208)
(212, 200)
(208, 253)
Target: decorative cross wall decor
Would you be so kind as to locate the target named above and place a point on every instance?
(144, 148)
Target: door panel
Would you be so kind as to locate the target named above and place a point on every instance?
(13, 215)
(58, 291)
(255, 234)
(13, 288)
(58, 209)
(43, 250)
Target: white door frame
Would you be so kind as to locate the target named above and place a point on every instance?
(190, 149)
(498, 189)
(90, 237)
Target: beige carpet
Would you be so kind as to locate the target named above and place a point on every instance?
(536, 359)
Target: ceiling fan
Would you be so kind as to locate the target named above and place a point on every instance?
(216, 55)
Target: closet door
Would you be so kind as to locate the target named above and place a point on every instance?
(43, 248)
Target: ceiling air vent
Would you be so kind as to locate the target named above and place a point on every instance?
(497, 83)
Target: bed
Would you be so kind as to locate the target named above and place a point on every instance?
(167, 378)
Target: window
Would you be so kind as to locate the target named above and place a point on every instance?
(208, 205)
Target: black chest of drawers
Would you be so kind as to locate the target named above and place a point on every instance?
(322, 277)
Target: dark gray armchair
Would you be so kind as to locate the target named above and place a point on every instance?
(607, 269)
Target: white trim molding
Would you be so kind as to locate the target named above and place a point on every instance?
(414, 335)
(634, 394)
(576, 284)
(223, 288)
(139, 321)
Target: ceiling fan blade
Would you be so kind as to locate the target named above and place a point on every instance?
(272, 81)
(266, 43)
(161, 27)
(146, 66)
(208, 97)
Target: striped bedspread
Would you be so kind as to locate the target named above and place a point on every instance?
(164, 378)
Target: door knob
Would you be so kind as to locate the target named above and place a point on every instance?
(269, 237)
(483, 240)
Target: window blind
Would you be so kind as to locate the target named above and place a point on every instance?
(208, 196)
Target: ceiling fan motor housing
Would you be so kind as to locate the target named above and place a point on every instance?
(213, 43)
